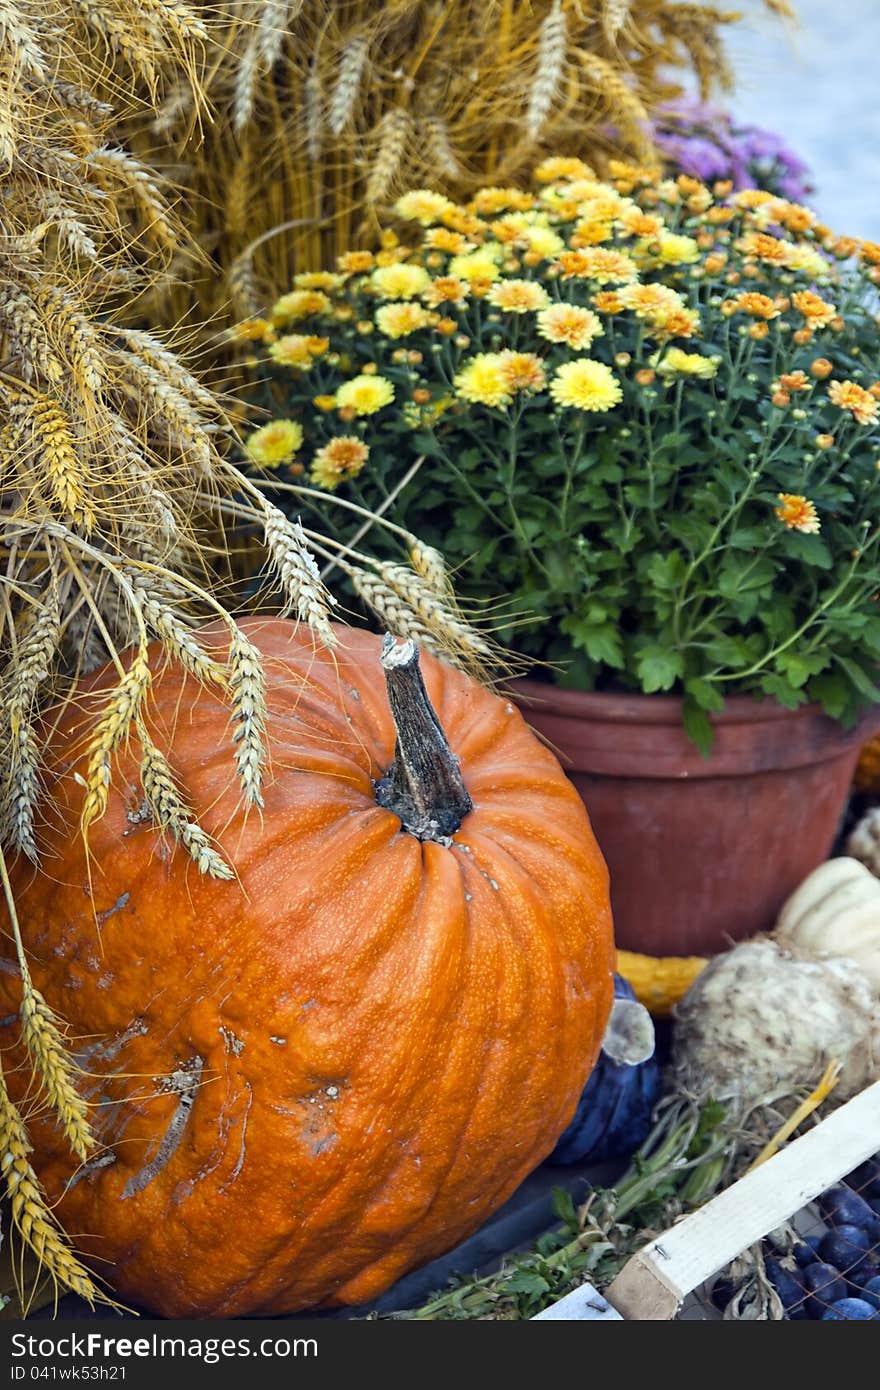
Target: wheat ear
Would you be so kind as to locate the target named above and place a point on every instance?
(247, 685)
(551, 65)
(45, 1044)
(171, 812)
(351, 69)
(391, 137)
(30, 1214)
(112, 728)
(295, 565)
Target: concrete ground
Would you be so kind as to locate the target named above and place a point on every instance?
(819, 87)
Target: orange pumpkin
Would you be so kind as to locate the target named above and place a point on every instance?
(309, 1083)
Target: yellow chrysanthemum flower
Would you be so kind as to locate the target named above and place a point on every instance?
(640, 224)
(481, 264)
(442, 239)
(492, 200)
(483, 381)
(543, 241)
(649, 301)
(364, 395)
(569, 323)
(586, 385)
(275, 443)
(317, 280)
(806, 260)
(400, 281)
(676, 362)
(674, 323)
(518, 296)
(423, 205)
(299, 304)
(798, 513)
(600, 264)
(677, 250)
(341, 458)
(592, 231)
(562, 167)
(298, 350)
(398, 320)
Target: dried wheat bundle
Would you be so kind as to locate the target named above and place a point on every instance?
(113, 482)
(324, 112)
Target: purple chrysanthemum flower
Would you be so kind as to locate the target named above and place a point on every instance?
(708, 143)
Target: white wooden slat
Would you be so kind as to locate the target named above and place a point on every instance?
(654, 1283)
(584, 1304)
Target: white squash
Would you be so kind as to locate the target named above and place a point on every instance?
(836, 912)
(864, 841)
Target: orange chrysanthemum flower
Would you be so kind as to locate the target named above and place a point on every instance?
(817, 311)
(607, 302)
(341, 458)
(795, 381)
(461, 221)
(638, 223)
(355, 262)
(763, 247)
(523, 371)
(848, 395)
(569, 323)
(446, 289)
(798, 513)
(758, 306)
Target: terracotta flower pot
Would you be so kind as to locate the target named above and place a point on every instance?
(702, 851)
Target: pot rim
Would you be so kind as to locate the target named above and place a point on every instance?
(612, 707)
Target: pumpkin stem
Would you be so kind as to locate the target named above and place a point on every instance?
(424, 785)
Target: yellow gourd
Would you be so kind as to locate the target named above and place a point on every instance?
(659, 981)
(867, 775)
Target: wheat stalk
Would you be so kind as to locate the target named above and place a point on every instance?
(439, 147)
(117, 171)
(628, 109)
